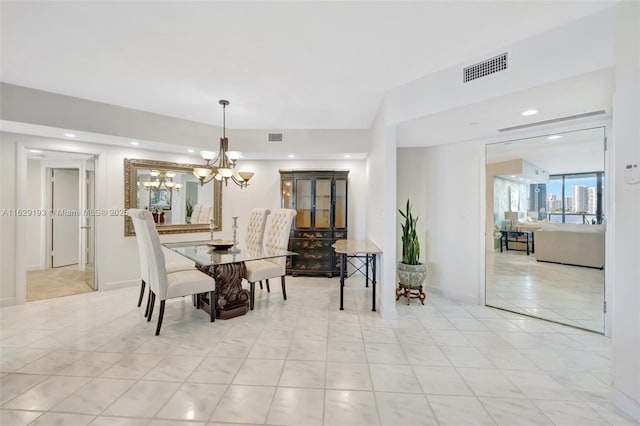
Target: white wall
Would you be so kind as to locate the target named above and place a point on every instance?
(445, 184)
(381, 212)
(117, 255)
(625, 232)
(34, 228)
(7, 222)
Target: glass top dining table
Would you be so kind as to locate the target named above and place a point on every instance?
(204, 255)
(228, 268)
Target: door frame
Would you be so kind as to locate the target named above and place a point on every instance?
(609, 206)
(101, 179)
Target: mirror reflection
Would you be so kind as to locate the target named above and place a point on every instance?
(174, 196)
(545, 227)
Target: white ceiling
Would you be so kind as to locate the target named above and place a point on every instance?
(573, 152)
(282, 65)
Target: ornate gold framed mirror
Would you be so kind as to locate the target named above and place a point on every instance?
(173, 195)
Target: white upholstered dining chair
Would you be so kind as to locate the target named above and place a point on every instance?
(276, 236)
(255, 228)
(173, 261)
(165, 285)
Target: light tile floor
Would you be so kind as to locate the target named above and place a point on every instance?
(93, 359)
(567, 294)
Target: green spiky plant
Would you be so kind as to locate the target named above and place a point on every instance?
(410, 243)
(189, 207)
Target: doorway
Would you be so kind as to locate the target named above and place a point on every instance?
(62, 185)
(546, 227)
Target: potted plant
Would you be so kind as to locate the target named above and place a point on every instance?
(411, 273)
(188, 209)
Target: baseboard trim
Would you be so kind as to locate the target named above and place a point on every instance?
(629, 406)
(34, 268)
(7, 301)
(118, 285)
(458, 297)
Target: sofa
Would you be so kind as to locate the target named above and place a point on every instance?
(569, 243)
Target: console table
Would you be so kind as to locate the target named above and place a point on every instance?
(517, 237)
(363, 250)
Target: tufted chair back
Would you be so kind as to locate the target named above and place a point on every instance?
(277, 232)
(155, 256)
(255, 228)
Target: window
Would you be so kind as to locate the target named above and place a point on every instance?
(575, 198)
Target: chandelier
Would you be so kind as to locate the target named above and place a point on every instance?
(162, 180)
(221, 165)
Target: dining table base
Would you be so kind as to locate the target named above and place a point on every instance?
(231, 299)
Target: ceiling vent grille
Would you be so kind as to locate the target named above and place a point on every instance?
(275, 137)
(485, 68)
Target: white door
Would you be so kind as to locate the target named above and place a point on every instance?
(65, 226)
(89, 226)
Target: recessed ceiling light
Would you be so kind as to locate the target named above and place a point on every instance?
(521, 178)
(512, 176)
(35, 151)
(191, 150)
(529, 112)
(474, 123)
(347, 156)
(552, 137)
(291, 156)
(135, 143)
(70, 135)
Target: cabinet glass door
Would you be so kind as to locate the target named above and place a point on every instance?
(341, 203)
(323, 203)
(287, 188)
(303, 203)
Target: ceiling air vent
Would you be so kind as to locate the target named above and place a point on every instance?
(484, 68)
(275, 137)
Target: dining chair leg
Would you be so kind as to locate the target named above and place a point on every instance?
(252, 292)
(151, 302)
(212, 305)
(284, 289)
(268, 288)
(142, 286)
(160, 315)
(146, 310)
(260, 285)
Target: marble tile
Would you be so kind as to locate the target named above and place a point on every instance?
(244, 404)
(459, 410)
(340, 351)
(270, 349)
(404, 409)
(466, 357)
(385, 353)
(379, 335)
(119, 421)
(350, 376)
(308, 350)
(45, 395)
(174, 368)
(294, 407)
(132, 366)
(449, 338)
(414, 336)
(92, 365)
(508, 359)
(193, 401)
(216, 370)
(48, 419)
(13, 385)
(18, 418)
(12, 359)
(143, 399)
(538, 385)
(441, 381)
(510, 412)
(306, 374)
(611, 413)
(393, 378)
(95, 396)
(350, 408)
(264, 372)
(568, 412)
(489, 382)
(426, 355)
(232, 348)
